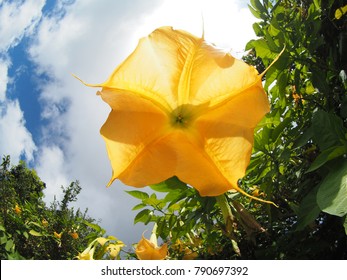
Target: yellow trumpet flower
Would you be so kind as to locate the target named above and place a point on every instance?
(182, 107)
(149, 249)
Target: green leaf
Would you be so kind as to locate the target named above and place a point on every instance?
(174, 207)
(276, 133)
(9, 245)
(139, 206)
(273, 31)
(318, 4)
(174, 197)
(271, 42)
(143, 216)
(319, 80)
(332, 192)
(345, 224)
(326, 156)
(328, 130)
(93, 226)
(171, 184)
(262, 49)
(3, 239)
(155, 202)
(303, 138)
(138, 194)
(308, 210)
(257, 29)
(257, 4)
(254, 12)
(36, 224)
(34, 233)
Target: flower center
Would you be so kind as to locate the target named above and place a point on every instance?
(182, 116)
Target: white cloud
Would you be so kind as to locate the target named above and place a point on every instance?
(223, 22)
(15, 139)
(90, 40)
(51, 169)
(18, 18)
(3, 78)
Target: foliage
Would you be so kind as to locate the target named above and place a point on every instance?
(31, 230)
(299, 155)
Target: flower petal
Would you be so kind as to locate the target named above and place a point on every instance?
(154, 69)
(227, 134)
(156, 163)
(132, 124)
(217, 76)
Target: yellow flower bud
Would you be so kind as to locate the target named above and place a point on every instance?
(44, 223)
(58, 235)
(74, 235)
(17, 209)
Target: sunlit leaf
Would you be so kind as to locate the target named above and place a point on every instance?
(34, 233)
(138, 194)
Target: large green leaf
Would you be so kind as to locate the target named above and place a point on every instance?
(328, 130)
(332, 192)
(326, 156)
(308, 210)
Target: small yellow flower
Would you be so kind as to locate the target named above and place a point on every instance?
(340, 12)
(58, 235)
(189, 254)
(149, 249)
(257, 192)
(146, 250)
(44, 223)
(74, 235)
(87, 254)
(17, 209)
(114, 249)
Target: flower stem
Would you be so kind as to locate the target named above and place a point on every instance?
(229, 220)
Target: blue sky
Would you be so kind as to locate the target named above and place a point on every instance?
(51, 120)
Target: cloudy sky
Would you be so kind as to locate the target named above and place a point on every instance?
(51, 120)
